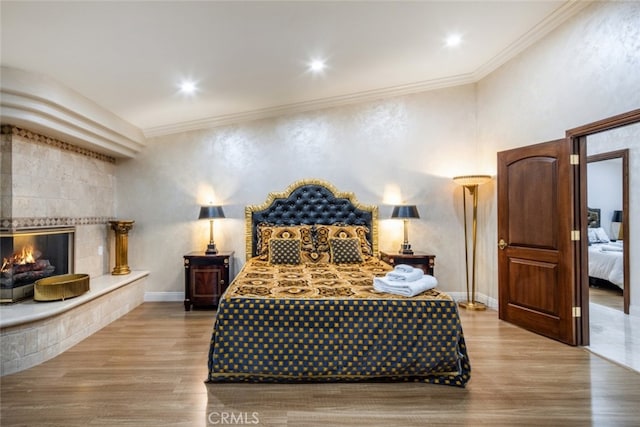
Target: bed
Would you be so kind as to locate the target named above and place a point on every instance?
(303, 308)
(606, 258)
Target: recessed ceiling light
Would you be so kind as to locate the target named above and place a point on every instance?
(317, 65)
(453, 40)
(188, 87)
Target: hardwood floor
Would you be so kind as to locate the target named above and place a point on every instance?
(148, 369)
(608, 297)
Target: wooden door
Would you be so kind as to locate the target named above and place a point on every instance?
(537, 257)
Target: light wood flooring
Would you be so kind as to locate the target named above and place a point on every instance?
(148, 369)
(608, 297)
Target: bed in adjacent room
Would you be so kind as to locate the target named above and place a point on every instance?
(606, 258)
(303, 307)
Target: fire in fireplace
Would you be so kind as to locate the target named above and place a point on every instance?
(30, 255)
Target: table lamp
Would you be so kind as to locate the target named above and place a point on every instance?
(405, 212)
(211, 213)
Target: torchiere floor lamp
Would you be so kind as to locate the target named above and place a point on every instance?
(471, 183)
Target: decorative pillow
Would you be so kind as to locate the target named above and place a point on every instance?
(602, 235)
(345, 250)
(597, 235)
(267, 232)
(324, 233)
(284, 251)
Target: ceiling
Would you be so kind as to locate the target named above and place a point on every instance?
(250, 59)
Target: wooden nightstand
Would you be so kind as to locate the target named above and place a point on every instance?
(206, 277)
(418, 260)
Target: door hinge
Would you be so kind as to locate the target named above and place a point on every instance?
(574, 159)
(576, 311)
(575, 235)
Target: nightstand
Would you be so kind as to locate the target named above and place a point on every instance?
(206, 277)
(417, 260)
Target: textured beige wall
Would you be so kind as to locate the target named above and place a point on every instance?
(408, 146)
(582, 72)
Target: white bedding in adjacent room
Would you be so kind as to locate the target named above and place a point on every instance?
(606, 262)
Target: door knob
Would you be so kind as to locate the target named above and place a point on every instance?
(502, 244)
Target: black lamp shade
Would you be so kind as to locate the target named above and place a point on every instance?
(406, 211)
(617, 216)
(211, 212)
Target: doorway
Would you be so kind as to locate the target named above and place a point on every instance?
(607, 200)
(612, 331)
(584, 136)
(564, 312)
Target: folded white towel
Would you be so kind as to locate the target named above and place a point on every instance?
(405, 268)
(407, 289)
(405, 276)
(611, 248)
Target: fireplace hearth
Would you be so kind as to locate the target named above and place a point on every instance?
(32, 254)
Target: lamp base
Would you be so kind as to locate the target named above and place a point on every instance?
(405, 248)
(211, 249)
(473, 305)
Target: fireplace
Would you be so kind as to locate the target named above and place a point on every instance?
(32, 254)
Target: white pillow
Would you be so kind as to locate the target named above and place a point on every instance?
(602, 235)
(593, 237)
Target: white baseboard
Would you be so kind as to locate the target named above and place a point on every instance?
(491, 303)
(163, 296)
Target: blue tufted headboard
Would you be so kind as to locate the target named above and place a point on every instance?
(310, 201)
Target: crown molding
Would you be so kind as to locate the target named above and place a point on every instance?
(37, 102)
(552, 21)
(301, 107)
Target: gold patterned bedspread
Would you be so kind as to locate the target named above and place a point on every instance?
(323, 322)
(261, 279)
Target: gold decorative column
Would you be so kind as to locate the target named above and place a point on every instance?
(122, 246)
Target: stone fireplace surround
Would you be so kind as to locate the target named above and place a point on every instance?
(45, 182)
(34, 332)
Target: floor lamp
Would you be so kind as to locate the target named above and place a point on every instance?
(471, 183)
